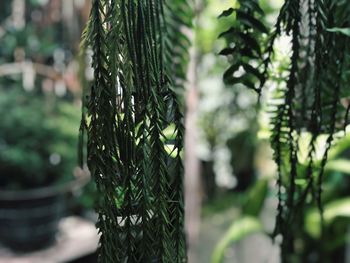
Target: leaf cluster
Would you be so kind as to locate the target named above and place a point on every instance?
(139, 60)
(311, 98)
(244, 50)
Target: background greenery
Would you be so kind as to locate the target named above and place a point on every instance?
(39, 101)
(38, 140)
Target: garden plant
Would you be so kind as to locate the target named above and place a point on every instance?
(140, 57)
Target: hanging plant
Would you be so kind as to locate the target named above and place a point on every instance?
(134, 123)
(312, 101)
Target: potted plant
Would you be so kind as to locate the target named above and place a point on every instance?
(37, 158)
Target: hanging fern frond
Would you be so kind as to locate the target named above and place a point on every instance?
(178, 16)
(133, 100)
(244, 50)
(101, 150)
(311, 101)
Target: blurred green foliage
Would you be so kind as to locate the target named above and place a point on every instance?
(39, 124)
(37, 139)
(314, 242)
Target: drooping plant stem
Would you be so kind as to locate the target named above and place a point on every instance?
(132, 102)
(308, 101)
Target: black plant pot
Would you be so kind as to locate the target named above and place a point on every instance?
(29, 219)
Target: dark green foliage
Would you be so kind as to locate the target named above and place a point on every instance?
(244, 50)
(139, 60)
(309, 101)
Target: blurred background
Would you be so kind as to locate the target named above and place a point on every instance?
(46, 202)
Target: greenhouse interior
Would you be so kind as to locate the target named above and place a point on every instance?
(174, 131)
